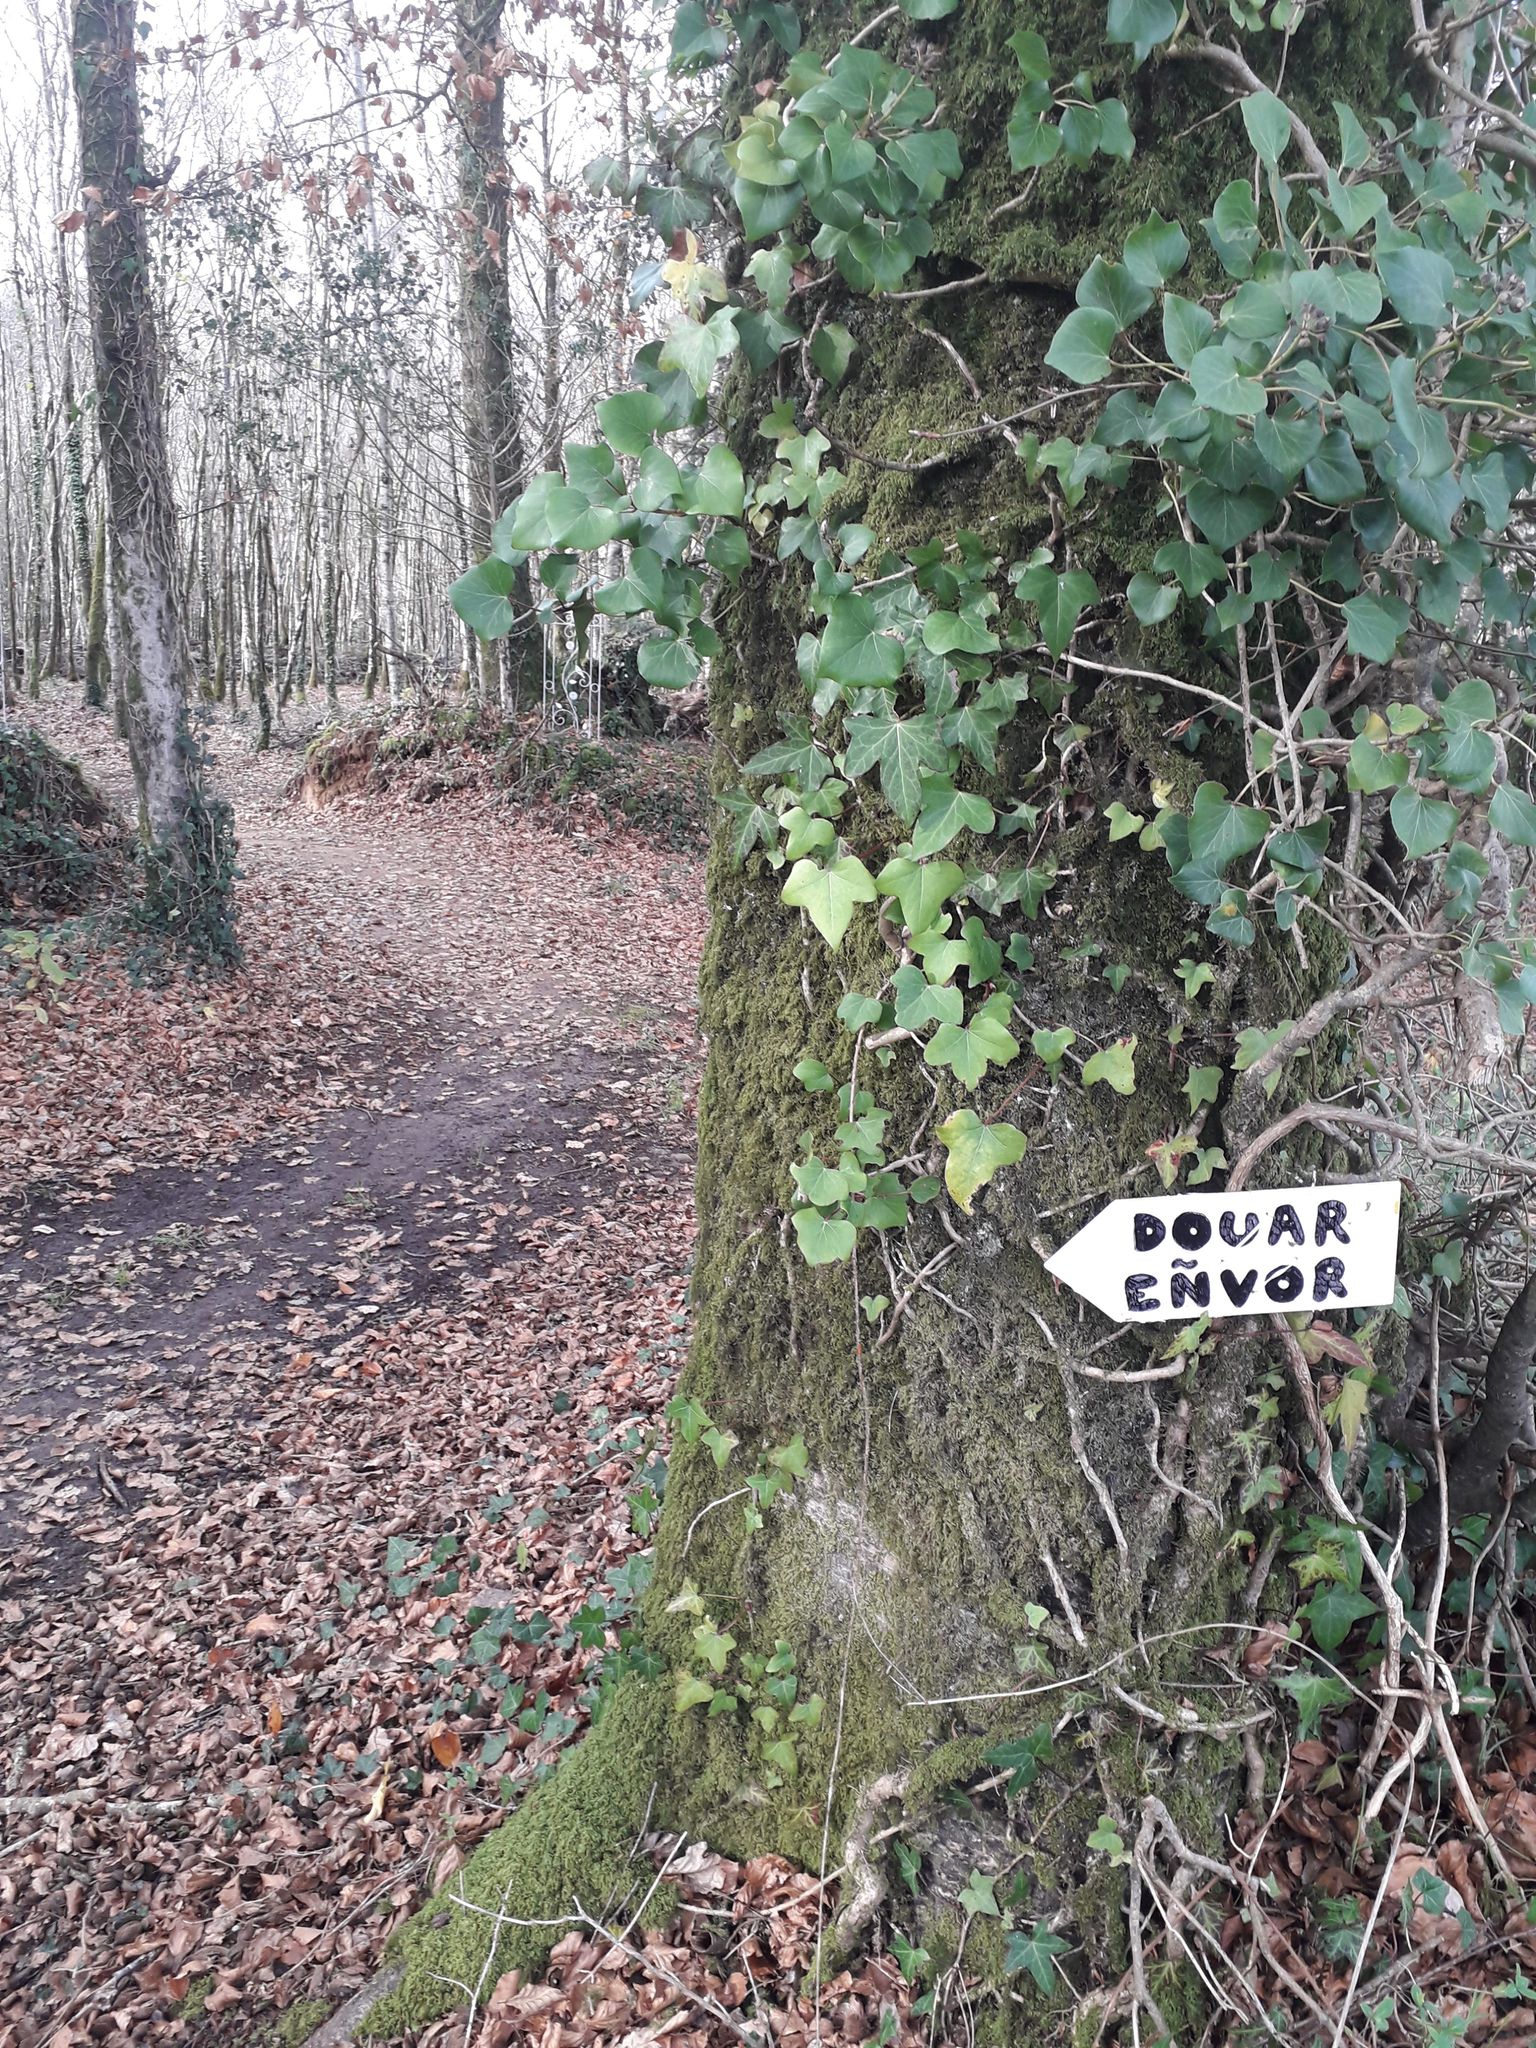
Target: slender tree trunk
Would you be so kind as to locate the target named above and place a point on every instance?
(1001, 1496)
(181, 833)
(98, 665)
(493, 407)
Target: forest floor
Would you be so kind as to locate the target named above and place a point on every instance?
(344, 1298)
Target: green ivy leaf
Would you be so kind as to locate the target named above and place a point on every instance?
(1203, 1085)
(975, 1152)
(1418, 282)
(1023, 1755)
(1060, 601)
(922, 889)
(1268, 125)
(1081, 345)
(947, 812)
(904, 749)
(718, 489)
(856, 650)
(829, 895)
(824, 1240)
(1219, 383)
(1156, 251)
(692, 1691)
(969, 1049)
(1114, 1064)
(979, 1897)
(666, 662)
(1333, 1612)
(832, 346)
(482, 597)
(629, 420)
(1035, 1950)
(1422, 823)
(1512, 815)
(1376, 625)
(1313, 1693)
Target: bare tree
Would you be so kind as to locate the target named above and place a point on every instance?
(185, 873)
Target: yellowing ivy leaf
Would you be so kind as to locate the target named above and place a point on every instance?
(976, 1151)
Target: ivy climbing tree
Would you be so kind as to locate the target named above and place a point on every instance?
(1113, 574)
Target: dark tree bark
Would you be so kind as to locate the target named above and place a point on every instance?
(493, 406)
(1003, 1487)
(181, 834)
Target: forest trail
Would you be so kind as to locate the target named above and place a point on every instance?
(279, 1408)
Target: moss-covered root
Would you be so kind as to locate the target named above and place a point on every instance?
(573, 1838)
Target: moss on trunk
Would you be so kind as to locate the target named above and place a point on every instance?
(963, 1478)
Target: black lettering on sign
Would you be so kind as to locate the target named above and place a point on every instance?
(1191, 1230)
(1283, 1283)
(1328, 1279)
(1237, 1290)
(1194, 1289)
(1147, 1230)
(1288, 1223)
(1330, 1216)
(1229, 1230)
(1139, 1298)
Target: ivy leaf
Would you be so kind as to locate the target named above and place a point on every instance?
(946, 812)
(629, 420)
(1035, 1951)
(828, 895)
(695, 348)
(1418, 282)
(1203, 1085)
(1143, 22)
(976, 1151)
(1059, 600)
(1113, 287)
(1512, 815)
(1373, 768)
(717, 491)
(969, 1049)
(1186, 327)
(1422, 823)
(1115, 1064)
(1219, 384)
(1156, 251)
(1268, 125)
(1221, 832)
(905, 749)
(692, 1691)
(1313, 1692)
(1227, 518)
(1023, 1755)
(1333, 1612)
(1081, 345)
(667, 662)
(979, 1897)
(1050, 1046)
(921, 888)
(920, 1001)
(824, 1240)
(1376, 625)
(832, 349)
(482, 597)
(855, 650)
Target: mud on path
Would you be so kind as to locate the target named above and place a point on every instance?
(273, 1419)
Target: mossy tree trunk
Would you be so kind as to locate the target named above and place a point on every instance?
(187, 883)
(493, 404)
(981, 1516)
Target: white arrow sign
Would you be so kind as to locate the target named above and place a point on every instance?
(1172, 1257)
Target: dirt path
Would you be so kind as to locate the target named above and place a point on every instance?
(254, 1405)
